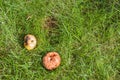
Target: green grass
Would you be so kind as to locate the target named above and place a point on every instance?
(87, 39)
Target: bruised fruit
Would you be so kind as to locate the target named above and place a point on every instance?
(51, 60)
(30, 42)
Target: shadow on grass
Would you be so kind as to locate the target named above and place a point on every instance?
(21, 39)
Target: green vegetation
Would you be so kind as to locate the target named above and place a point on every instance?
(87, 37)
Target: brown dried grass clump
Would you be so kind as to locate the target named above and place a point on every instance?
(50, 22)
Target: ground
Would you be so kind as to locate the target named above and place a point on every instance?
(86, 34)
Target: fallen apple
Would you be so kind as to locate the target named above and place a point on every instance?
(30, 42)
(51, 60)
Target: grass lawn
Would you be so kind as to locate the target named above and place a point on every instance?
(86, 34)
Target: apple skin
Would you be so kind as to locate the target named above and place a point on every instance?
(51, 60)
(30, 42)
